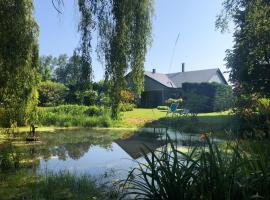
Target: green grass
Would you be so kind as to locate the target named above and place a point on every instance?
(75, 116)
(216, 121)
(24, 184)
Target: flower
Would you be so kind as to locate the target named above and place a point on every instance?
(203, 137)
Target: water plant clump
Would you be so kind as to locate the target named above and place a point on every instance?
(208, 171)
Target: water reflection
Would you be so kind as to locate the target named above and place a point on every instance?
(96, 152)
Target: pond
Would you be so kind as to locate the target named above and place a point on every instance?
(100, 153)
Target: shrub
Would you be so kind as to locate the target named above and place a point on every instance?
(103, 99)
(88, 97)
(196, 103)
(127, 96)
(51, 93)
(75, 115)
(162, 107)
(215, 96)
(94, 110)
(223, 99)
(70, 109)
(124, 107)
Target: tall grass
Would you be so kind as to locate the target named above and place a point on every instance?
(206, 172)
(27, 185)
(74, 115)
(64, 185)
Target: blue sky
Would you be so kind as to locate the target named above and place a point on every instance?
(200, 46)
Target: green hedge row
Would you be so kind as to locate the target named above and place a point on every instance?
(207, 97)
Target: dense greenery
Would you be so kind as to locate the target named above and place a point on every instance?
(64, 185)
(206, 172)
(18, 61)
(51, 93)
(249, 59)
(207, 97)
(74, 115)
(124, 29)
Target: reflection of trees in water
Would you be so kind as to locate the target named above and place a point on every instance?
(74, 144)
(75, 151)
(63, 144)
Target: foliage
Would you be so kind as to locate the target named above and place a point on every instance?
(94, 110)
(9, 157)
(51, 93)
(74, 115)
(206, 171)
(263, 107)
(69, 109)
(68, 70)
(162, 107)
(64, 185)
(124, 29)
(87, 97)
(196, 103)
(248, 60)
(223, 99)
(127, 96)
(252, 117)
(124, 107)
(207, 97)
(18, 60)
(103, 99)
(46, 67)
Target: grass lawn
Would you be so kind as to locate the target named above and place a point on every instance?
(216, 121)
(141, 117)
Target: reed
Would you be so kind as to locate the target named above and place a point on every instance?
(205, 172)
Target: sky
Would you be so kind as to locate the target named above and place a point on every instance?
(199, 46)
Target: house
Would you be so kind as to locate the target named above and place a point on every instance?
(159, 87)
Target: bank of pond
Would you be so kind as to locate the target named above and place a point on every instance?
(131, 164)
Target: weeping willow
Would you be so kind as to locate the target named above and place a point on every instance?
(18, 61)
(124, 30)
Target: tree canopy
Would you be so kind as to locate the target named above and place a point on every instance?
(249, 60)
(124, 29)
(18, 60)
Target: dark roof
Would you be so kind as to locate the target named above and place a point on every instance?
(162, 78)
(175, 80)
(135, 144)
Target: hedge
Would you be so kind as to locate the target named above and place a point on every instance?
(207, 97)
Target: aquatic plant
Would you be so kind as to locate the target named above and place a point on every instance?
(205, 172)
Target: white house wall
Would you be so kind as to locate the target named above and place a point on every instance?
(216, 78)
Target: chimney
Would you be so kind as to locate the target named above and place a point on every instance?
(183, 67)
(154, 71)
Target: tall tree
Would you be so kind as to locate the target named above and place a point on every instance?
(249, 60)
(46, 67)
(18, 60)
(124, 29)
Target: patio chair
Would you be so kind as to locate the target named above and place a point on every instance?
(185, 112)
(172, 109)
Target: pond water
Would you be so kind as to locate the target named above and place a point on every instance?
(100, 153)
(95, 151)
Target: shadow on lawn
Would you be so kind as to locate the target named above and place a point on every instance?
(189, 124)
